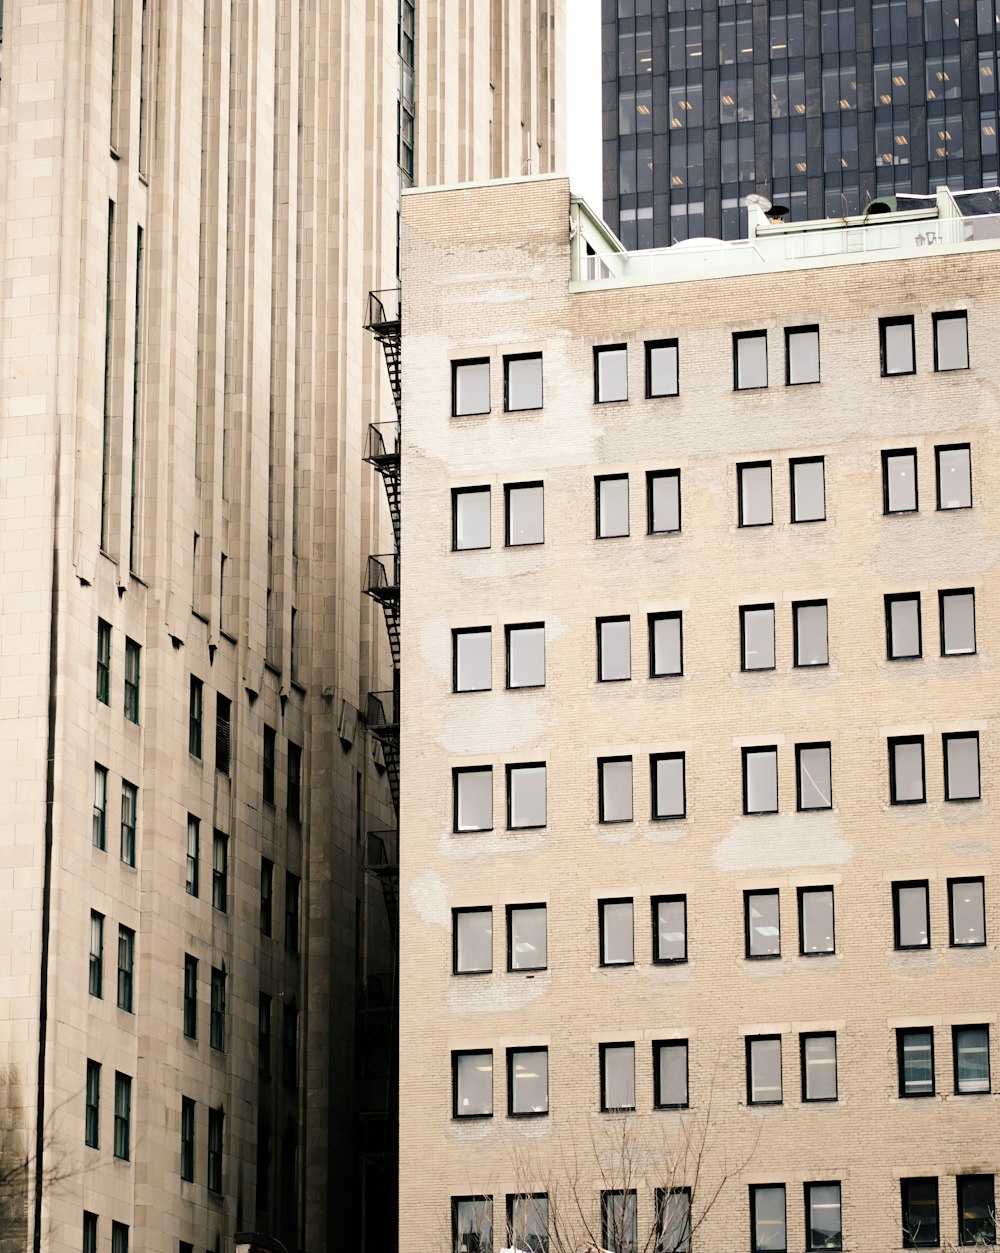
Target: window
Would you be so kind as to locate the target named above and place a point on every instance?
(612, 505)
(472, 1084)
(264, 1033)
(126, 964)
(898, 346)
(472, 941)
(961, 766)
(266, 895)
(103, 661)
(764, 1070)
(619, 1221)
(614, 777)
(757, 637)
(902, 626)
(762, 923)
(223, 715)
(525, 510)
(92, 1114)
(616, 932)
(816, 930)
(527, 938)
(471, 653)
(976, 1209)
(522, 382)
(220, 871)
(216, 1119)
(130, 805)
(617, 1077)
(267, 772)
(473, 798)
(755, 493)
(527, 1081)
(673, 1220)
(614, 649)
(801, 355)
(906, 770)
(667, 771)
(470, 387)
(96, 972)
(187, 1139)
(294, 805)
(470, 518)
(669, 928)
(767, 1218)
(810, 629)
(915, 1061)
(526, 795)
(666, 650)
(100, 832)
(89, 1232)
(957, 611)
(292, 894)
(749, 359)
(966, 912)
(670, 1074)
(808, 489)
(611, 373)
(526, 655)
(760, 780)
(663, 501)
(662, 377)
(123, 1116)
(823, 1216)
(819, 1066)
(920, 1213)
(911, 914)
(132, 651)
(971, 1049)
(191, 857)
(119, 1231)
(217, 1020)
(812, 772)
(190, 996)
(899, 480)
(196, 715)
(954, 476)
(951, 341)
(472, 1224)
(528, 1222)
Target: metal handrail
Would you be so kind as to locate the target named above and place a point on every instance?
(383, 309)
(380, 566)
(383, 441)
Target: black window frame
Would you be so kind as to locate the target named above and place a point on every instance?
(660, 1196)
(658, 1103)
(897, 886)
(754, 1246)
(456, 912)
(906, 319)
(911, 1239)
(455, 633)
(601, 762)
(799, 750)
(487, 1210)
(223, 733)
(752, 465)
(890, 599)
(938, 450)
(892, 741)
(521, 626)
(654, 758)
(92, 1106)
(187, 1139)
(807, 1190)
(196, 717)
(456, 773)
(808, 604)
(512, 1233)
(599, 349)
(745, 752)
(967, 1236)
(653, 618)
(542, 905)
(946, 739)
(808, 328)
(522, 356)
(802, 461)
(887, 456)
(476, 413)
(190, 997)
(744, 668)
(956, 1030)
(749, 1041)
(268, 755)
(599, 624)
(950, 315)
(629, 1203)
(738, 337)
(943, 593)
(103, 661)
(649, 347)
(801, 893)
(125, 988)
(748, 894)
(509, 769)
(217, 1010)
(507, 489)
(602, 953)
(456, 492)
(133, 679)
(512, 1053)
(599, 479)
(804, 1038)
(954, 883)
(654, 903)
(651, 478)
(455, 1055)
(602, 1053)
(216, 1148)
(901, 1037)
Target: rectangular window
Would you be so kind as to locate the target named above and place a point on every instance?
(126, 966)
(757, 637)
(899, 480)
(823, 1216)
(902, 626)
(614, 779)
(951, 341)
(816, 929)
(527, 1082)
(526, 795)
(767, 1218)
(977, 1213)
(472, 941)
(267, 772)
(666, 649)
(662, 374)
(190, 996)
(472, 795)
(954, 476)
(670, 1074)
(472, 1224)
(526, 654)
(819, 1066)
(470, 518)
(290, 1045)
(808, 489)
(669, 928)
(264, 1033)
(119, 1231)
(96, 970)
(813, 776)
(971, 1050)
(957, 611)
(471, 658)
(749, 359)
(801, 355)
(266, 895)
(217, 1017)
(294, 805)
(667, 778)
(528, 1222)
(762, 923)
(966, 912)
(196, 715)
(616, 932)
(472, 1084)
(223, 722)
(103, 661)
(915, 1061)
(527, 938)
(920, 1213)
(100, 828)
(610, 373)
(961, 765)
(525, 513)
(760, 780)
(898, 346)
(810, 628)
(123, 1116)
(522, 382)
(216, 1120)
(614, 649)
(906, 770)
(617, 1077)
(673, 1220)
(470, 387)
(220, 871)
(191, 858)
(755, 493)
(132, 651)
(293, 891)
(92, 1112)
(89, 1232)
(764, 1070)
(130, 805)
(663, 501)
(187, 1139)
(911, 914)
(611, 494)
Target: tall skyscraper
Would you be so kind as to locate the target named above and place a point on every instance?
(820, 105)
(195, 198)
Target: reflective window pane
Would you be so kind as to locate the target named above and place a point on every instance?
(522, 382)
(526, 656)
(903, 622)
(760, 780)
(472, 1222)
(529, 1081)
(755, 495)
(525, 514)
(664, 490)
(661, 369)
(977, 1221)
(618, 1062)
(814, 776)
(951, 341)
(668, 785)
(526, 796)
(616, 789)
(920, 1213)
(816, 920)
(968, 911)
(473, 930)
(912, 915)
(897, 346)
(757, 628)
(472, 660)
(665, 644)
(529, 1223)
(674, 1214)
(611, 374)
(528, 937)
(473, 1078)
(972, 1059)
(803, 355)
(764, 1070)
(819, 1067)
(763, 924)
(471, 518)
(616, 933)
(961, 767)
(767, 1206)
(670, 929)
(808, 491)
(671, 1073)
(899, 474)
(471, 387)
(751, 360)
(473, 800)
(907, 771)
(612, 507)
(954, 478)
(916, 1062)
(619, 1221)
(614, 649)
(823, 1217)
(811, 637)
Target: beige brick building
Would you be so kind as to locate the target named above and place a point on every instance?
(699, 874)
(195, 198)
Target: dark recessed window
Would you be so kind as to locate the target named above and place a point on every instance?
(823, 1216)
(819, 1065)
(611, 492)
(614, 780)
(757, 637)
(957, 613)
(670, 1074)
(669, 928)
(808, 488)
(472, 941)
(915, 1061)
(472, 1083)
(615, 919)
(522, 382)
(749, 360)
(767, 1218)
(899, 480)
(527, 1082)
(667, 779)
(951, 341)
(762, 923)
(755, 493)
(527, 937)
(614, 649)
(760, 780)
(666, 651)
(764, 1070)
(132, 655)
(526, 654)
(528, 1222)
(470, 387)
(268, 765)
(902, 626)
(193, 856)
(898, 345)
(662, 374)
(526, 795)
(472, 1224)
(473, 798)
(663, 501)
(911, 914)
(610, 373)
(961, 766)
(816, 922)
(471, 659)
(673, 1220)
(811, 632)
(470, 518)
(801, 354)
(906, 770)
(977, 1211)
(619, 1221)
(971, 1049)
(266, 920)
(525, 514)
(919, 1199)
(223, 732)
(617, 1077)
(813, 776)
(954, 476)
(103, 661)
(967, 912)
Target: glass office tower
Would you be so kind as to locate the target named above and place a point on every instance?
(820, 105)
